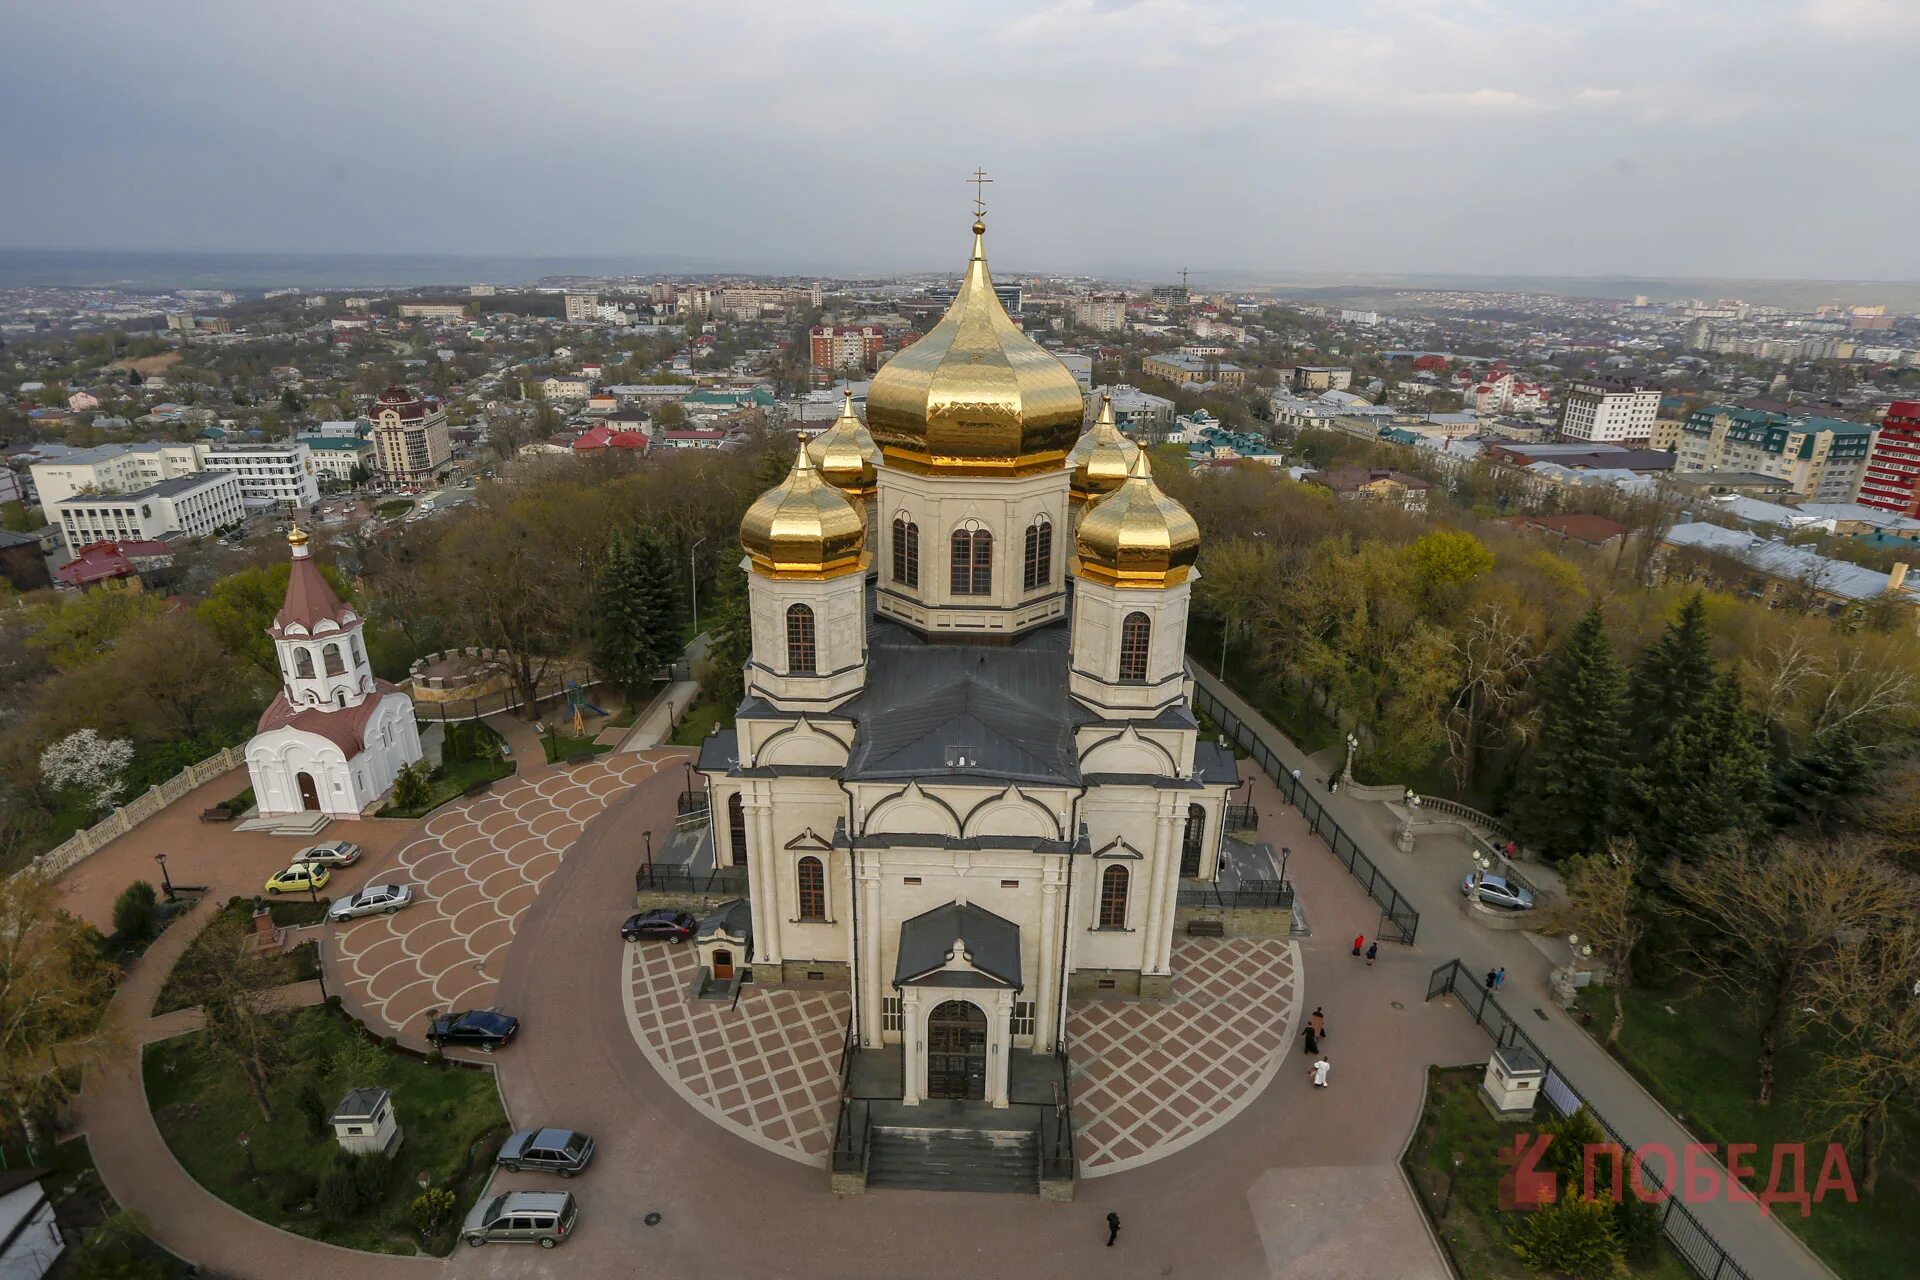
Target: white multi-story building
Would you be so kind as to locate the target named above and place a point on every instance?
(60, 472)
(566, 387)
(583, 308)
(192, 506)
(1106, 311)
(272, 476)
(1823, 459)
(411, 446)
(1609, 413)
(1140, 414)
(336, 457)
(432, 311)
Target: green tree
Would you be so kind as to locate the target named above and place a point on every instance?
(1705, 777)
(53, 984)
(1574, 1237)
(1815, 785)
(1566, 788)
(134, 911)
(1444, 559)
(1675, 674)
(729, 640)
(73, 630)
(411, 788)
(634, 611)
(233, 983)
(240, 607)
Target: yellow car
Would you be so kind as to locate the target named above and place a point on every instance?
(298, 878)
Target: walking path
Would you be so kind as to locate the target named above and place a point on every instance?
(1759, 1243)
(655, 725)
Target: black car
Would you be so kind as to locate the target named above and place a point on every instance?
(483, 1029)
(674, 926)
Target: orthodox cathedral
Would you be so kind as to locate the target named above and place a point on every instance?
(336, 735)
(965, 778)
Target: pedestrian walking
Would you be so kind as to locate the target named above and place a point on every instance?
(1360, 943)
(1500, 979)
(1320, 1069)
(1313, 1044)
(1329, 782)
(1113, 1227)
(1373, 949)
(1493, 978)
(1318, 1021)
(1512, 849)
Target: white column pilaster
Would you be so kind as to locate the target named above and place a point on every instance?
(873, 975)
(913, 1031)
(1046, 1018)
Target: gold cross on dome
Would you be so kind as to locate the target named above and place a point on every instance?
(979, 181)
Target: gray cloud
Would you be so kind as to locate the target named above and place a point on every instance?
(1768, 138)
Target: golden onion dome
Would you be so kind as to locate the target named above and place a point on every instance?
(1137, 536)
(845, 453)
(1099, 462)
(803, 527)
(297, 536)
(975, 396)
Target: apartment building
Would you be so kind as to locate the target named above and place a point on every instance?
(846, 346)
(336, 457)
(1140, 414)
(1186, 369)
(412, 449)
(193, 506)
(1308, 377)
(583, 308)
(432, 311)
(273, 477)
(1105, 311)
(59, 471)
(1609, 413)
(566, 387)
(1891, 481)
(1821, 459)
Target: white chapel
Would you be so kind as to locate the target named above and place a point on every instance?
(965, 778)
(336, 735)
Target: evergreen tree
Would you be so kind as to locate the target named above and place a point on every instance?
(729, 640)
(1819, 781)
(1705, 777)
(1675, 674)
(634, 612)
(1565, 792)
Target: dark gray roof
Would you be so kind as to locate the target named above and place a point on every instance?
(8, 538)
(359, 1104)
(1213, 763)
(991, 943)
(1003, 709)
(733, 918)
(719, 751)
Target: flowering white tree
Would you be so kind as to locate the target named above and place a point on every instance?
(89, 764)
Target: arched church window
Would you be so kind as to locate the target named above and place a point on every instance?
(1039, 559)
(813, 889)
(1113, 898)
(1136, 640)
(800, 640)
(359, 654)
(972, 563)
(303, 664)
(737, 828)
(906, 551)
(330, 658)
(1190, 845)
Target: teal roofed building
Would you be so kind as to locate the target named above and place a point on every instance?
(1821, 459)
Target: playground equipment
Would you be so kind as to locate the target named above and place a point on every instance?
(578, 704)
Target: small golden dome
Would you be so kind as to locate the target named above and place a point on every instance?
(297, 536)
(1100, 460)
(845, 454)
(1137, 536)
(803, 527)
(975, 396)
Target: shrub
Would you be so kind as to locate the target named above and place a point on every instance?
(435, 1058)
(134, 911)
(353, 1184)
(1565, 1155)
(389, 1043)
(430, 1211)
(294, 1190)
(1637, 1223)
(1572, 1237)
(312, 1105)
(333, 1004)
(410, 787)
(372, 1173)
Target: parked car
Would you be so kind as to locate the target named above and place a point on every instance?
(674, 926)
(383, 899)
(298, 878)
(336, 853)
(561, 1151)
(544, 1218)
(482, 1029)
(1495, 891)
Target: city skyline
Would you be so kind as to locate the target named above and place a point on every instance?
(1400, 137)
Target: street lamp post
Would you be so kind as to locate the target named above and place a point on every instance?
(246, 1149)
(693, 583)
(1453, 1173)
(166, 881)
(1353, 745)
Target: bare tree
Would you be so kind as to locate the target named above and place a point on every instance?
(53, 985)
(1606, 906)
(233, 983)
(1773, 914)
(1495, 657)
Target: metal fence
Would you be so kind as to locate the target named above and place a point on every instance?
(1693, 1242)
(1399, 921)
(1250, 893)
(657, 879)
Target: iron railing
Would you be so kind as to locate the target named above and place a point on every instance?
(853, 1130)
(1399, 920)
(693, 800)
(1242, 817)
(1693, 1242)
(651, 878)
(1251, 893)
(1056, 1128)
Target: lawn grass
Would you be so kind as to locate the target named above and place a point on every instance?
(470, 754)
(1478, 1233)
(450, 1118)
(700, 720)
(288, 913)
(1701, 1062)
(564, 746)
(387, 510)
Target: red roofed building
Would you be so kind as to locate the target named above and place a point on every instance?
(334, 738)
(606, 437)
(102, 561)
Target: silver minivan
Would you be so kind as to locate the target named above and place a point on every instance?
(545, 1218)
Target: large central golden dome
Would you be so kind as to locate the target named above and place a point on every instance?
(975, 396)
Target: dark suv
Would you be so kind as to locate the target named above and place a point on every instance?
(482, 1029)
(560, 1151)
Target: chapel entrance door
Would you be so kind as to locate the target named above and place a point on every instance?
(309, 793)
(722, 965)
(957, 1051)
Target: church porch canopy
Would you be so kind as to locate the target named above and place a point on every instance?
(958, 945)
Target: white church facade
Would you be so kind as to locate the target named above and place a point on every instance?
(966, 778)
(334, 738)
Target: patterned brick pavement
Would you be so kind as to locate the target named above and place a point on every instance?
(1153, 1077)
(769, 1070)
(1149, 1077)
(475, 868)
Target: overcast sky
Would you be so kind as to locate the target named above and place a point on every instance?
(1732, 138)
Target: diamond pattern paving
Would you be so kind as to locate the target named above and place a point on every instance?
(768, 1070)
(475, 867)
(1151, 1077)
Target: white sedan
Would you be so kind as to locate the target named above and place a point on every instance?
(381, 899)
(336, 853)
